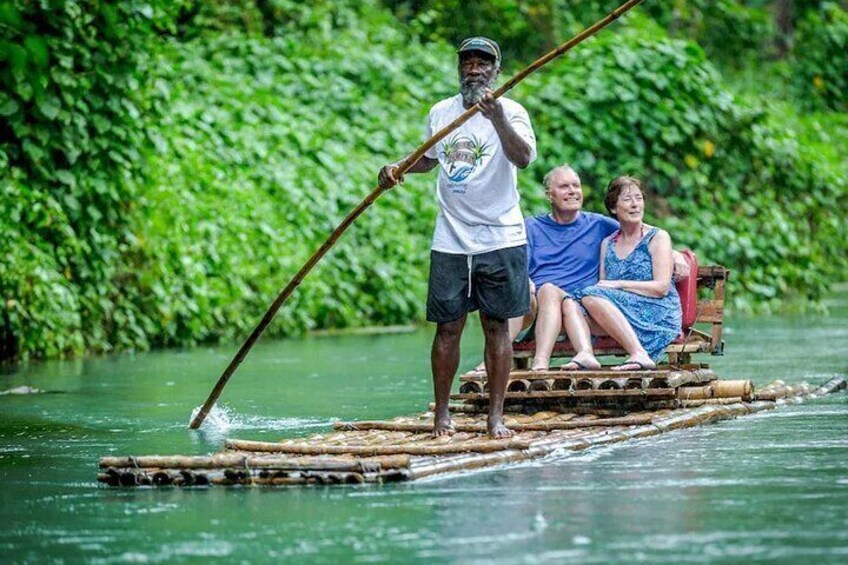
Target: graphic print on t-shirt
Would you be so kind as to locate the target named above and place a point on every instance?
(462, 156)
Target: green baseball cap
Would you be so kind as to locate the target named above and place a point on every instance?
(482, 44)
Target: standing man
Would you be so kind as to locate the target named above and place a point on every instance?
(478, 258)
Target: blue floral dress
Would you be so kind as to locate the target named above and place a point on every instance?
(656, 321)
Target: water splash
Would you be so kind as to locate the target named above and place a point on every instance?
(223, 419)
(218, 421)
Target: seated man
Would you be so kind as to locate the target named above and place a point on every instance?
(564, 257)
(563, 248)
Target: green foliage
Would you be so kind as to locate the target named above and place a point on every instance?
(262, 147)
(165, 168)
(71, 77)
(729, 30)
(821, 59)
(735, 189)
(524, 30)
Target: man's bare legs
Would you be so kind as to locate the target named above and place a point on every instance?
(610, 318)
(444, 361)
(579, 334)
(498, 356)
(516, 325)
(548, 324)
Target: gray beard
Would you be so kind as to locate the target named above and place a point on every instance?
(472, 93)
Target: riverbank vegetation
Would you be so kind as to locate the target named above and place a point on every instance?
(166, 167)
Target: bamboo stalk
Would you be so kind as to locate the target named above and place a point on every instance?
(379, 190)
(172, 477)
(481, 428)
(588, 393)
(558, 374)
(460, 408)
(726, 389)
(833, 385)
(541, 384)
(471, 386)
(709, 402)
(612, 384)
(695, 392)
(518, 385)
(562, 384)
(241, 460)
(481, 446)
(584, 384)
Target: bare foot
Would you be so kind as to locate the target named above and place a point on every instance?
(498, 430)
(443, 427)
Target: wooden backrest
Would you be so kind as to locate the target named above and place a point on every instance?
(710, 310)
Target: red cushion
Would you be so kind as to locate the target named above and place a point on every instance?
(688, 290)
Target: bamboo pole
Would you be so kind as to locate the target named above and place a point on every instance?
(517, 427)
(541, 384)
(480, 446)
(695, 392)
(242, 460)
(727, 389)
(379, 190)
(833, 385)
(461, 408)
(709, 402)
(558, 374)
(584, 385)
(563, 384)
(219, 477)
(518, 385)
(471, 386)
(582, 393)
(612, 384)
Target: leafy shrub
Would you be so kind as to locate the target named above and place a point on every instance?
(196, 158)
(821, 59)
(736, 190)
(70, 150)
(262, 148)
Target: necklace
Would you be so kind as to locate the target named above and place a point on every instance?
(620, 235)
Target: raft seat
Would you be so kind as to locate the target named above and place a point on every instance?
(702, 302)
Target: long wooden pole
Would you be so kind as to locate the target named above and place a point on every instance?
(377, 192)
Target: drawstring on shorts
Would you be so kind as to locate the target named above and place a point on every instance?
(470, 260)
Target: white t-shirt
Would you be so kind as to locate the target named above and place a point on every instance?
(477, 184)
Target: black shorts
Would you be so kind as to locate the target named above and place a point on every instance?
(498, 284)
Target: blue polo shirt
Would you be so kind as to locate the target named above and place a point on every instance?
(567, 255)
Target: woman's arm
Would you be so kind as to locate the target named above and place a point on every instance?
(661, 259)
(603, 272)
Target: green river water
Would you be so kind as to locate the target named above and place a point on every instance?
(772, 487)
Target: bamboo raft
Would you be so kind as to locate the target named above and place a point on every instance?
(548, 411)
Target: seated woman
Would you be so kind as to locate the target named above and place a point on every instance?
(634, 301)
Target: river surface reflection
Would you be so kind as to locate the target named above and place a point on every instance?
(770, 487)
